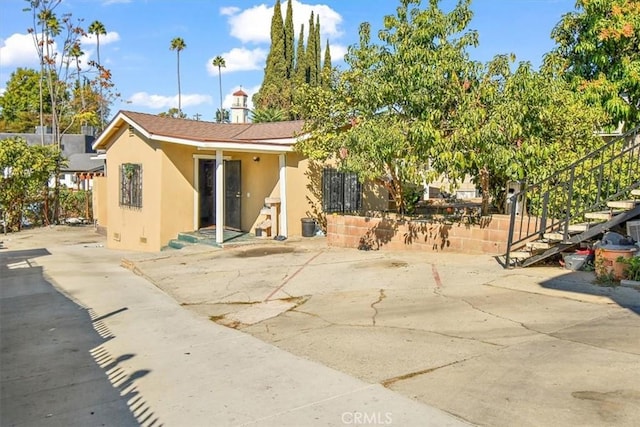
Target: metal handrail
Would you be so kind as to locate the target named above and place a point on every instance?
(564, 198)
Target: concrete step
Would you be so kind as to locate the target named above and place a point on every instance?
(196, 239)
(635, 192)
(602, 215)
(538, 245)
(580, 227)
(189, 238)
(623, 204)
(521, 254)
(555, 237)
(178, 244)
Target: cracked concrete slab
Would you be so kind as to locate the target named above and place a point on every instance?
(534, 384)
(535, 346)
(259, 312)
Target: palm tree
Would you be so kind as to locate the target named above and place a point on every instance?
(178, 44)
(76, 52)
(218, 61)
(98, 29)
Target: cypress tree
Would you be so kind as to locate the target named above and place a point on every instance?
(300, 57)
(289, 40)
(275, 73)
(310, 66)
(326, 67)
(317, 63)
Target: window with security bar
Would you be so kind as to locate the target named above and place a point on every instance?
(131, 185)
(341, 191)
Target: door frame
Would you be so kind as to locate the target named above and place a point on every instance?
(196, 186)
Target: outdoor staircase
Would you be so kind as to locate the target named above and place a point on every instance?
(576, 204)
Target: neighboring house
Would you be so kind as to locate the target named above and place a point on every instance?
(83, 163)
(166, 176)
(81, 169)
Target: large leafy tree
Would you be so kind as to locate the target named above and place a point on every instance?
(20, 102)
(520, 125)
(414, 106)
(599, 47)
(178, 45)
(56, 39)
(387, 115)
(24, 175)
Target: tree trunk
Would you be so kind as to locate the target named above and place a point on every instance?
(484, 185)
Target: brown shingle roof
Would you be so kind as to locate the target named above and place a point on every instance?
(211, 132)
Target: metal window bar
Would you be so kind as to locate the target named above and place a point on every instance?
(341, 191)
(131, 185)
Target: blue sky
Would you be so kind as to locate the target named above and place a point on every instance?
(136, 48)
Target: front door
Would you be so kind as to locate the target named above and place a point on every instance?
(233, 194)
(207, 193)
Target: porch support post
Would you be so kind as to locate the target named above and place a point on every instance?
(282, 161)
(196, 189)
(219, 197)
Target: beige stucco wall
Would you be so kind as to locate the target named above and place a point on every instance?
(99, 196)
(176, 185)
(132, 228)
(304, 192)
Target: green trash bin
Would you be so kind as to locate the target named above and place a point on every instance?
(308, 227)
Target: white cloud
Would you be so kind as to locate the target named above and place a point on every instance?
(18, 50)
(160, 102)
(229, 10)
(338, 52)
(254, 24)
(228, 98)
(239, 59)
(105, 39)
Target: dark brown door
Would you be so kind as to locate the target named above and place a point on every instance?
(233, 194)
(207, 192)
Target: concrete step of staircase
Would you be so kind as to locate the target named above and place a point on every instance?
(538, 245)
(520, 254)
(555, 237)
(635, 192)
(623, 204)
(602, 215)
(580, 227)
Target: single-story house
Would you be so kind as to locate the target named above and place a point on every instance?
(165, 176)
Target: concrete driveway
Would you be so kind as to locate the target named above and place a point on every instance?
(528, 347)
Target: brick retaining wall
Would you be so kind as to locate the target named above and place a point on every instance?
(488, 236)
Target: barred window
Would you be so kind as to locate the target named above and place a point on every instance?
(341, 191)
(131, 185)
